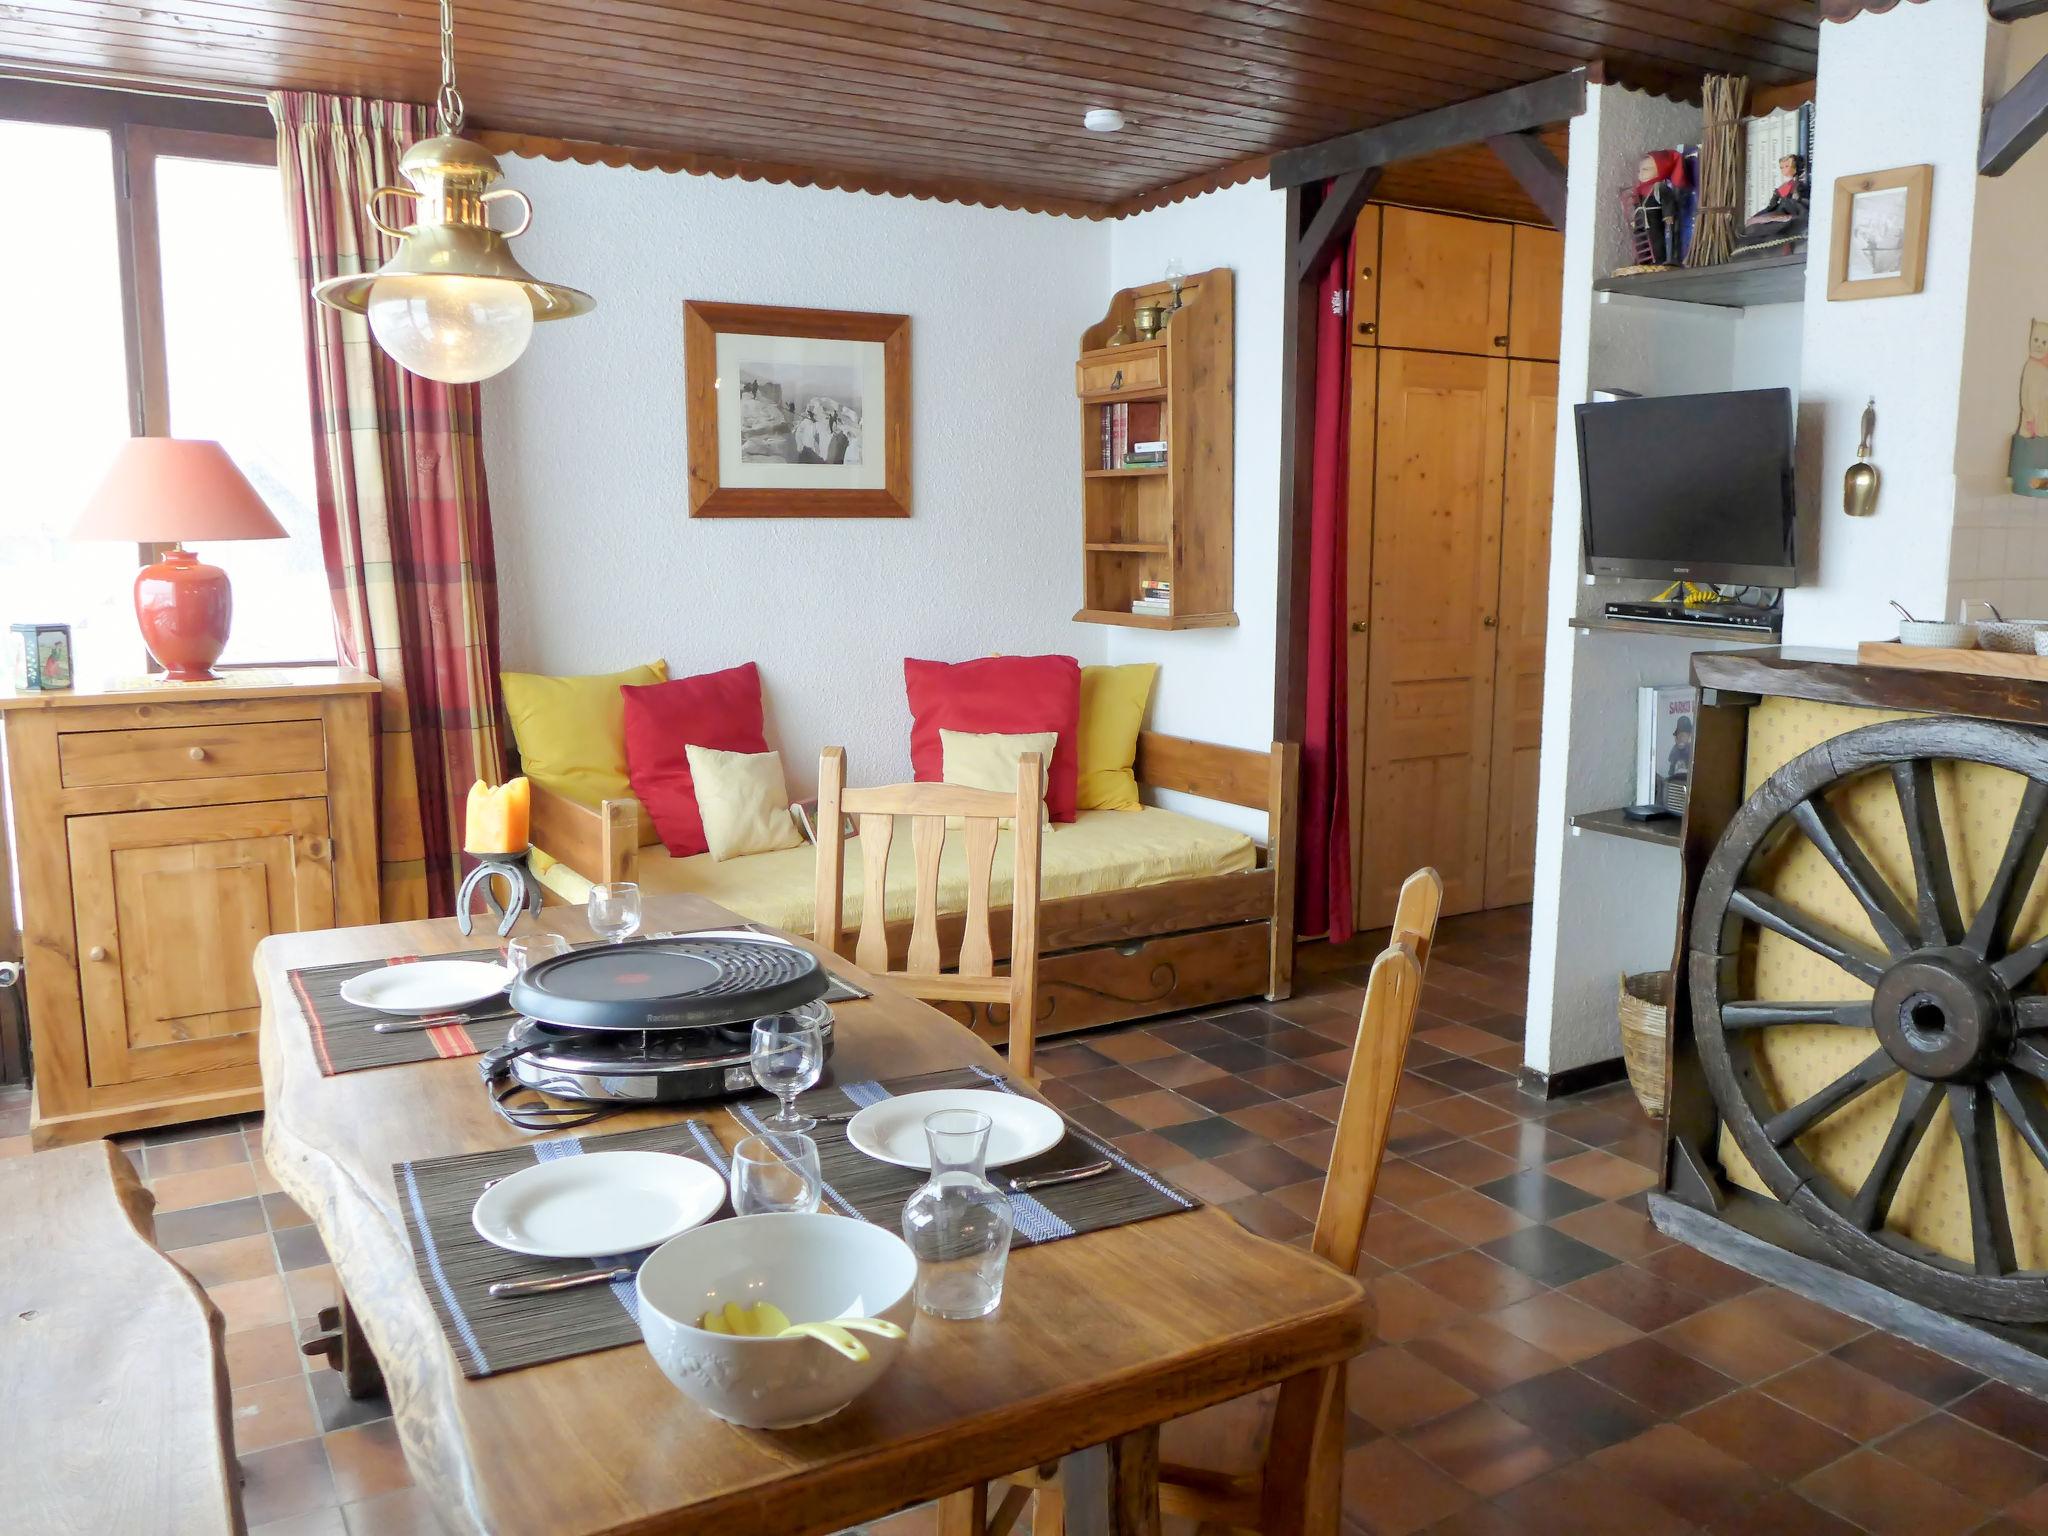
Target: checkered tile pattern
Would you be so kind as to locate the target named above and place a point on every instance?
(1547, 1363)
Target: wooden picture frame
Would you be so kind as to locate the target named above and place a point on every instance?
(1858, 270)
(789, 478)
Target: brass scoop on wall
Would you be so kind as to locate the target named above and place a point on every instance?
(1859, 485)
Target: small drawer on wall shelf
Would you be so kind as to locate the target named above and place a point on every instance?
(1120, 372)
(91, 759)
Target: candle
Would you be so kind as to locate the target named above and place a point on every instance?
(497, 820)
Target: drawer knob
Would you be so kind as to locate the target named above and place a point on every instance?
(197, 754)
(97, 952)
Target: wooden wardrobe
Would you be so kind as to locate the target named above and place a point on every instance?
(1454, 324)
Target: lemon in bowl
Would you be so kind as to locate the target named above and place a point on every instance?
(817, 1274)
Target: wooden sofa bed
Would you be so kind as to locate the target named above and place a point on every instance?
(1114, 955)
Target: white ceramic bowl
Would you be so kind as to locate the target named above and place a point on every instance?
(815, 1268)
(1931, 632)
(2012, 635)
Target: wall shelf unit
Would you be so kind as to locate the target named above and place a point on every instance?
(1170, 522)
(1664, 832)
(1731, 285)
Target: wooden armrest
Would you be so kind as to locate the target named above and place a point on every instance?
(602, 844)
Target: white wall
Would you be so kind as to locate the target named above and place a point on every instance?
(1217, 684)
(1903, 88)
(600, 565)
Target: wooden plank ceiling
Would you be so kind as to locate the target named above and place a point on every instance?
(979, 100)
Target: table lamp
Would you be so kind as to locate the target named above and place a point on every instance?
(165, 490)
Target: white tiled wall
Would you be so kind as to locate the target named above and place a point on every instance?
(1999, 550)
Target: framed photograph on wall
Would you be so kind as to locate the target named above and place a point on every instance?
(1879, 244)
(796, 412)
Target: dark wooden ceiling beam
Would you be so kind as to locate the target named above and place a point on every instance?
(1536, 168)
(1333, 220)
(1469, 122)
(2014, 123)
(2017, 10)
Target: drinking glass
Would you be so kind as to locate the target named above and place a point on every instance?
(958, 1223)
(788, 1056)
(614, 911)
(529, 949)
(774, 1174)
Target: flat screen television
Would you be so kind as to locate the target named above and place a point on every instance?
(1689, 487)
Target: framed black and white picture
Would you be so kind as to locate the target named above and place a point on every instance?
(797, 412)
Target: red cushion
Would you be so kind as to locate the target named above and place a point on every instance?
(715, 709)
(1003, 695)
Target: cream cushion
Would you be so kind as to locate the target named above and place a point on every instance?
(975, 760)
(744, 802)
(1098, 851)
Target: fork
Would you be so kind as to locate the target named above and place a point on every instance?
(426, 1021)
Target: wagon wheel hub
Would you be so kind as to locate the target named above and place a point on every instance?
(1942, 1014)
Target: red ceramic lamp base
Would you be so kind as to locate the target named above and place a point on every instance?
(184, 606)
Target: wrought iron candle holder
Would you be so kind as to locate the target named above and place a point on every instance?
(522, 890)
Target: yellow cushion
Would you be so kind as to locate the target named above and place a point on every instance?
(1112, 712)
(571, 733)
(989, 761)
(1099, 851)
(743, 800)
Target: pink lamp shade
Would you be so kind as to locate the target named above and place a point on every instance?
(166, 490)
(163, 490)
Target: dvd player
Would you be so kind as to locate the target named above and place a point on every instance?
(1742, 616)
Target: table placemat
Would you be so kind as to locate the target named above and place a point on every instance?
(345, 1038)
(457, 1268)
(859, 1185)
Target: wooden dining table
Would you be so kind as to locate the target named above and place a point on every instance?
(1099, 1339)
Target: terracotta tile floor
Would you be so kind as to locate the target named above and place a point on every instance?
(1547, 1363)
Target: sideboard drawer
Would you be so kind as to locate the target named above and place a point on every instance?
(1138, 368)
(89, 759)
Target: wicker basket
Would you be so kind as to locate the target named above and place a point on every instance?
(1644, 1030)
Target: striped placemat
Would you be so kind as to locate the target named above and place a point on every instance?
(457, 1268)
(859, 1185)
(345, 1038)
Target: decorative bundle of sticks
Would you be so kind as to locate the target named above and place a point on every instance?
(1721, 143)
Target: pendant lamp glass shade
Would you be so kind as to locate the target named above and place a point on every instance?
(453, 303)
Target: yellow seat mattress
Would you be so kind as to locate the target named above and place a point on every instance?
(1100, 851)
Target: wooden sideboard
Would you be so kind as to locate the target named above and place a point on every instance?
(162, 830)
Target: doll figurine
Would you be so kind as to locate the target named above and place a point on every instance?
(1660, 196)
(2027, 468)
(1783, 218)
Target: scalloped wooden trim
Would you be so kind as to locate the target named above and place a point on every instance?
(1849, 10)
(1234, 174)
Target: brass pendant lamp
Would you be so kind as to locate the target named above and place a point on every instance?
(453, 303)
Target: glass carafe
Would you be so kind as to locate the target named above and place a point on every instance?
(958, 1224)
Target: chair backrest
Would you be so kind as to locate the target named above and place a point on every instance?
(981, 813)
(1392, 994)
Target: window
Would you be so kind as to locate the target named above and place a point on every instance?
(174, 310)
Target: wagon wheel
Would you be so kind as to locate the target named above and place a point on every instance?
(1957, 1011)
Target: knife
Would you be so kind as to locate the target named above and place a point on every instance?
(570, 1282)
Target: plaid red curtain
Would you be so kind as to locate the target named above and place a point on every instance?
(405, 518)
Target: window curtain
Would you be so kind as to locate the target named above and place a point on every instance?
(405, 519)
(1324, 899)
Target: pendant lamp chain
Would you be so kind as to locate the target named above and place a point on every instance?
(449, 102)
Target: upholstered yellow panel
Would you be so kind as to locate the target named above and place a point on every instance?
(1795, 1061)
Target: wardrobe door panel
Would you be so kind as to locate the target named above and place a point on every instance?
(1444, 283)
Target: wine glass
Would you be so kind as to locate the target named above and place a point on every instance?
(614, 911)
(529, 949)
(775, 1174)
(788, 1056)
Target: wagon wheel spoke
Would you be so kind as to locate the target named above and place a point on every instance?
(1848, 858)
(2016, 967)
(1767, 911)
(1757, 1015)
(1969, 1105)
(2027, 1114)
(2031, 1059)
(1880, 1186)
(1934, 881)
(1788, 1125)
(1991, 930)
(2032, 1013)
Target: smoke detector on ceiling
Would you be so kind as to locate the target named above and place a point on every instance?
(1102, 120)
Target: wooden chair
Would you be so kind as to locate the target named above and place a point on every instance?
(982, 812)
(1272, 1462)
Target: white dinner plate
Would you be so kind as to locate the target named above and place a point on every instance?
(893, 1130)
(427, 986)
(598, 1204)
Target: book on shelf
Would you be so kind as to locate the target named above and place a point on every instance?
(1156, 445)
(1151, 588)
(1144, 461)
(1133, 427)
(1148, 605)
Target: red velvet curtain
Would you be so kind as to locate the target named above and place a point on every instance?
(1324, 904)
